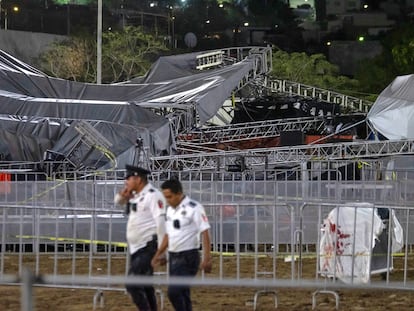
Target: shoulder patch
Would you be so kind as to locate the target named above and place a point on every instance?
(151, 190)
(192, 204)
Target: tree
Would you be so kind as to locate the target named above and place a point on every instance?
(125, 54)
(396, 58)
(312, 70)
(128, 53)
(73, 59)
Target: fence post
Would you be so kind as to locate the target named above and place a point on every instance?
(27, 289)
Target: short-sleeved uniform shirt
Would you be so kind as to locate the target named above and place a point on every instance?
(184, 225)
(144, 208)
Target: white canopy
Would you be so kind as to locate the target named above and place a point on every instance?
(392, 114)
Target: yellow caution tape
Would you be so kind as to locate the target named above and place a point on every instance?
(75, 240)
(225, 254)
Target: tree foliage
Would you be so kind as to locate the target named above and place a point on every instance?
(403, 51)
(396, 58)
(128, 53)
(312, 70)
(73, 59)
(125, 54)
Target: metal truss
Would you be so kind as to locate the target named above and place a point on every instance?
(256, 78)
(209, 60)
(247, 131)
(89, 141)
(181, 116)
(257, 159)
(262, 57)
(90, 136)
(184, 114)
(184, 119)
(349, 103)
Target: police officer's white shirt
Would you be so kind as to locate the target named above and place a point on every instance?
(147, 208)
(192, 220)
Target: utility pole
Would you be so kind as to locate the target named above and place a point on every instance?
(68, 18)
(99, 45)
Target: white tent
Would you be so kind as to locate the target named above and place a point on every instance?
(392, 114)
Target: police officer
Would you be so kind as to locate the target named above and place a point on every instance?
(145, 206)
(186, 221)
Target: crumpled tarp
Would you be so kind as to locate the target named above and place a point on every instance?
(392, 114)
(38, 112)
(26, 92)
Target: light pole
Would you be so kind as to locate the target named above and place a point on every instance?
(99, 45)
(173, 31)
(5, 10)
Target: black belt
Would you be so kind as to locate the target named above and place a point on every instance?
(176, 254)
(153, 241)
(151, 244)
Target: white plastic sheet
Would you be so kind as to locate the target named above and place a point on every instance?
(348, 237)
(392, 114)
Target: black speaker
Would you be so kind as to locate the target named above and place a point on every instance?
(292, 138)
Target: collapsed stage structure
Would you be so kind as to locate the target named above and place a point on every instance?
(98, 126)
(163, 118)
(167, 121)
(266, 157)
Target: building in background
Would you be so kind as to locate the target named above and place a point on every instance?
(220, 23)
(348, 31)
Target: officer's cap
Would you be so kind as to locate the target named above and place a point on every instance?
(135, 171)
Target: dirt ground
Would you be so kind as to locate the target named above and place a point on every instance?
(214, 298)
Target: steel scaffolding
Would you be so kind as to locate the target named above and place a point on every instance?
(249, 130)
(183, 115)
(349, 103)
(263, 158)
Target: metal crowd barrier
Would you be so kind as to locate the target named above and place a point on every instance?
(261, 222)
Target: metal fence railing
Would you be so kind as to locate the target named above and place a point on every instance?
(70, 228)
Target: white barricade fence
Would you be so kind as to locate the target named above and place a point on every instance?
(264, 221)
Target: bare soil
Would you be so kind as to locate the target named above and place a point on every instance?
(210, 298)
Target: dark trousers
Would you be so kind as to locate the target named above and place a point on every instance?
(140, 264)
(184, 263)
